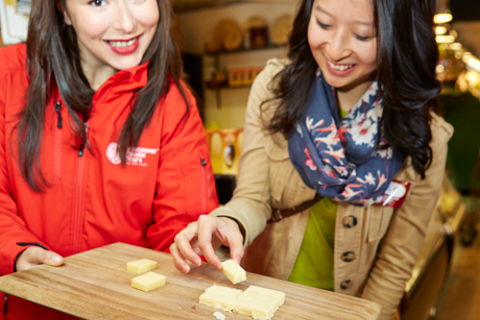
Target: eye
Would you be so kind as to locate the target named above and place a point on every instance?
(97, 3)
(322, 25)
(361, 38)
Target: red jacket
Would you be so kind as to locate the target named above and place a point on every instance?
(92, 199)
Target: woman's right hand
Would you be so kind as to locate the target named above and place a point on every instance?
(34, 256)
(203, 237)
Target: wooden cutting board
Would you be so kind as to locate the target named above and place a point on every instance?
(95, 285)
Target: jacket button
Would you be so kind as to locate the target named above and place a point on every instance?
(348, 256)
(346, 284)
(349, 221)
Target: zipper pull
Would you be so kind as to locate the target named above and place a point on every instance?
(80, 152)
(5, 305)
(58, 109)
(203, 162)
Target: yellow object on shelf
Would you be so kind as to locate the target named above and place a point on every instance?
(225, 148)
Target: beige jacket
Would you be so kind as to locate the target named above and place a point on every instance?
(379, 269)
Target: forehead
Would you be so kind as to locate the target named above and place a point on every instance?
(360, 11)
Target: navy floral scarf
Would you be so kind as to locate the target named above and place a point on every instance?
(343, 159)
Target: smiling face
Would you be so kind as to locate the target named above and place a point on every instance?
(112, 35)
(341, 34)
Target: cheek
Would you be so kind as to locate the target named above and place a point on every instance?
(91, 28)
(369, 56)
(148, 15)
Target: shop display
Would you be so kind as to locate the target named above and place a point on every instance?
(226, 35)
(280, 29)
(225, 147)
(256, 32)
(14, 20)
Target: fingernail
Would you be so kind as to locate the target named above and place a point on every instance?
(197, 262)
(56, 258)
(184, 268)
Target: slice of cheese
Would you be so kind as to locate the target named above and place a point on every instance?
(278, 295)
(233, 271)
(219, 297)
(141, 266)
(255, 305)
(148, 281)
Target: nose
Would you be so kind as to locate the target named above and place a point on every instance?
(124, 21)
(338, 47)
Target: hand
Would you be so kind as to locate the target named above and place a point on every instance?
(203, 237)
(33, 256)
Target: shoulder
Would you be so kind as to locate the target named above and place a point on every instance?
(271, 69)
(442, 131)
(13, 58)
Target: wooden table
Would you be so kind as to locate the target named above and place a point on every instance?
(95, 285)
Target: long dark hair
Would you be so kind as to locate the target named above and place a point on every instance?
(406, 59)
(53, 57)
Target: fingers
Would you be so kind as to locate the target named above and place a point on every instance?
(34, 256)
(232, 238)
(184, 247)
(203, 237)
(207, 226)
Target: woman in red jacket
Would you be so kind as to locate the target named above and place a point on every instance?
(100, 140)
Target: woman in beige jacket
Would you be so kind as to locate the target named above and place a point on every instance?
(347, 73)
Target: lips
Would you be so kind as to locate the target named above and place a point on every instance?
(124, 46)
(340, 69)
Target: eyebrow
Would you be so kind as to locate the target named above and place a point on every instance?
(318, 8)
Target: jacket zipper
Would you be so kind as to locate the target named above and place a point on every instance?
(78, 202)
(205, 183)
(5, 308)
(58, 143)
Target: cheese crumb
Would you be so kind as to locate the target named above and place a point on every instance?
(148, 281)
(141, 266)
(233, 271)
(219, 316)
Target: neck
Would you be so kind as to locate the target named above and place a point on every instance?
(97, 75)
(348, 97)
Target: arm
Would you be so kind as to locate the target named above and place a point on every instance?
(400, 247)
(185, 183)
(244, 217)
(19, 248)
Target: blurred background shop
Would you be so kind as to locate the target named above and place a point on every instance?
(225, 43)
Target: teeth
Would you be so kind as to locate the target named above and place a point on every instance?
(122, 44)
(340, 67)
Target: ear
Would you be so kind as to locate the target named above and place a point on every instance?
(61, 8)
(66, 18)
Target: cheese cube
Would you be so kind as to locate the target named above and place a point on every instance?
(255, 305)
(278, 295)
(148, 281)
(141, 266)
(219, 297)
(233, 271)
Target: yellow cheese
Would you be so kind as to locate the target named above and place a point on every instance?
(141, 266)
(255, 305)
(278, 295)
(233, 271)
(148, 281)
(219, 297)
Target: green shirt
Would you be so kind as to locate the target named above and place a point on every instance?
(314, 264)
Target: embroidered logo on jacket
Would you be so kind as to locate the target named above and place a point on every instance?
(135, 156)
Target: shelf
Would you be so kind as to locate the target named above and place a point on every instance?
(241, 50)
(212, 87)
(183, 6)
